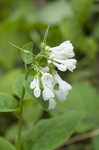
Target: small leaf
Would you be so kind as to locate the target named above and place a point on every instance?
(18, 87)
(7, 103)
(5, 145)
(27, 56)
(52, 133)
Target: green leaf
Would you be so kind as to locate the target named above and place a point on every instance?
(32, 113)
(52, 133)
(5, 145)
(7, 103)
(85, 126)
(11, 132)
(7, 80)
(27, 56)
(82, 97)
(18, 87)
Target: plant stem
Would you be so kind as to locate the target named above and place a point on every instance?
(18, 144)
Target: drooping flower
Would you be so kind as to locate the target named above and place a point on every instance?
(63, 65)
(52, 104)
(35, 85)
(61, 56)
(64, 88)
(47, 82)
(63, 51)
(47, 94)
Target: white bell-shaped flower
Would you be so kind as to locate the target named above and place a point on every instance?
(71, 64)
(47, 94)
(63, 51)
(52, 104)
(60, 67)
(47, 80)
(35, 85)
(64, 88)
(37, 92)
(61, 56)
(61, 95)
(63, 65)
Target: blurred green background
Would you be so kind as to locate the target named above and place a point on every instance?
(23, 21)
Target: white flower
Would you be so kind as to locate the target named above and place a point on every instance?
(52, 104)
(47, 94)
(64, 88)
(60, 67)
(71, 64)
(63, 51)
(37, 92)
(47, 80)
(63, 65)
(61, 95)
(60, 56)
(35, 85)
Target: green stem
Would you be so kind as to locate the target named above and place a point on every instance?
(18, 142)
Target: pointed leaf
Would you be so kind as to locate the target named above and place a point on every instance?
(52, 133)
(27, 55)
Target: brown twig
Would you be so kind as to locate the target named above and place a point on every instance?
(82, 137)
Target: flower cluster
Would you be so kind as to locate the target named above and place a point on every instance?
(53, 86)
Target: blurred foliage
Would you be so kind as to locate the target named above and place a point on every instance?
(23, 21)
